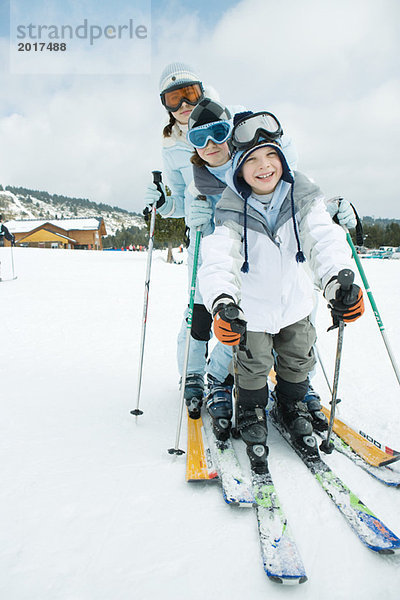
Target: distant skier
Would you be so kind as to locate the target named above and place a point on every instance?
(268, 222)
(5, 233)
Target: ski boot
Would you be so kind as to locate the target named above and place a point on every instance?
(312, 400)
(193, 395)
(219, 406)
(252, 425)
(296, 419)
(291, 413)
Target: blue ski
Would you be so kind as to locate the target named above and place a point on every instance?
(236, 488)
(281, 558)
(366, 525)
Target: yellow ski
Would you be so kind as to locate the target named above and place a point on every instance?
(368, 451)
(199, 465)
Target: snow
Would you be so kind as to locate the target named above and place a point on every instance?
(68, 224)
(94, 508)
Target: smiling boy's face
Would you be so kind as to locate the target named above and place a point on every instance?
(262, 170)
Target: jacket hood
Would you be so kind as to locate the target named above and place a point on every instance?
(239, 185)
(237, 182)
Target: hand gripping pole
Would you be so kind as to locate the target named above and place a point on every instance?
(345, 278)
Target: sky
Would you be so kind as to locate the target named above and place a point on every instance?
(328, 70)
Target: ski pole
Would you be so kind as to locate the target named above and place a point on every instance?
(157, 181)
(235, 428)
(176, 449)
(12, 260)
(373, 304)
(345, 278)
(232, 313)
(321, 364)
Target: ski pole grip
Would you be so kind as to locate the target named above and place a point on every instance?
(231, 313)
(156, 177)
(345, 278)
(157, 180)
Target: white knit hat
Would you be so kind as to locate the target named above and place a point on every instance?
(175, 74)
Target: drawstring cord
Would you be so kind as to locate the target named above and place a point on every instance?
(299, 255)
(300, 258)
(245, 265)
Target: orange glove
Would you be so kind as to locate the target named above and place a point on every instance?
(345, 305)
(229, 324)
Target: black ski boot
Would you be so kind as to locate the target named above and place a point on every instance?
(291, 412)
(313, 401)
(252, 424)
(193, 395)
(219, 406)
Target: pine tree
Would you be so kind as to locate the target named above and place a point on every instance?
(168, 233)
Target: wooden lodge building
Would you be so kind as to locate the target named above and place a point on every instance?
(84, 233)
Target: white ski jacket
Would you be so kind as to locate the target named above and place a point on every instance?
(277, 291)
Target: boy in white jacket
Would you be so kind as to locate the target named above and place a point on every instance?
(268, 221)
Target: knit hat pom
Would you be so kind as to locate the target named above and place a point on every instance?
(300, 257)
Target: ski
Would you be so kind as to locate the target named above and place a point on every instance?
(236, 489)
(378, 444)
(371, 531)
(369, 451)
(199, 463)
(384, 474)
(373, 452)
(280, 555)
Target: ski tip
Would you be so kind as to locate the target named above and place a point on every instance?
(389, 461)
(291, 580)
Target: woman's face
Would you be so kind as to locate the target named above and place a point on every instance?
(214, 154)
(183, 113)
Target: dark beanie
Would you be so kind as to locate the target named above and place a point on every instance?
(208, 111)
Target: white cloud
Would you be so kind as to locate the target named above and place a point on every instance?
(327, 69)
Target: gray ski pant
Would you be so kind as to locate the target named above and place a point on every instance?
(293, 348)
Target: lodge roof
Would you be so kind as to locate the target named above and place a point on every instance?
(55, 233)
(76, 224)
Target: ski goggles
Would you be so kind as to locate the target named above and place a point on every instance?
(218, 132)
(173, 98)
(261, 125)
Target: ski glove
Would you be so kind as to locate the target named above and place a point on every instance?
(345, 305)
(229, 322)
(164, 203)
(200, 214)
(342, 210)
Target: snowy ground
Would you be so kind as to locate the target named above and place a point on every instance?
(94, 508)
